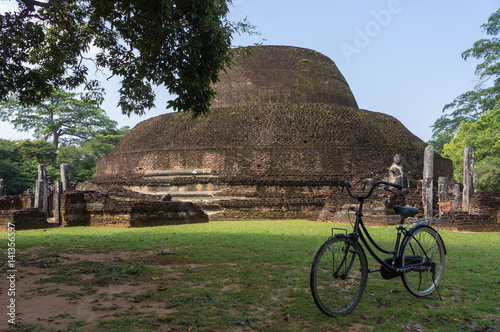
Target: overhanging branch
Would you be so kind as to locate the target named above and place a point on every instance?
(31, 4)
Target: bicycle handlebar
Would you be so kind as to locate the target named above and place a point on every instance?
(375, 185)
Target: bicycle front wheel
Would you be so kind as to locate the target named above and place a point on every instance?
(424, 249)
(338, 276)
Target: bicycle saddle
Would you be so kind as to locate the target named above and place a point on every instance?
(405, 211)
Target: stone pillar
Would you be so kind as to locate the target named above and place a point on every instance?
(42, 172)
(456, 196)
(468, 178)
(65, 177)
(3, 190)
(444, 194)
(41, 191)
(444, 189)
(58, 190)
(39, 194)
(427, 182)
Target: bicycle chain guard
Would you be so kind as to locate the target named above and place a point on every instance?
(387, 274)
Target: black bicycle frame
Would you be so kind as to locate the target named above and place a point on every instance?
(358, 233)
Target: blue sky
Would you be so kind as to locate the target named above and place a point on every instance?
(400, 57)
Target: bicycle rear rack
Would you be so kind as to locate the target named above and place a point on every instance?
(433, 219)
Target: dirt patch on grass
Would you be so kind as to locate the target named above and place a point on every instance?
(72, 290)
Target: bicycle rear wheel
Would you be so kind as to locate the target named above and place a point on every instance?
(338, 276)
(424, 249)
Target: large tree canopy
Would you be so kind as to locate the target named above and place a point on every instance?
(179, 44)
(61, 116)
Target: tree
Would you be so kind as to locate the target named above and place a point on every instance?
(484, 137)
(82, 159)
(179, 44)
(9, 166)
(472, 104)
(60, 116)
(474, 120)
(19, 162)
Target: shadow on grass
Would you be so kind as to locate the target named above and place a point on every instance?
(255, 275)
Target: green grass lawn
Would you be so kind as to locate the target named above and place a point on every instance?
(238, 275)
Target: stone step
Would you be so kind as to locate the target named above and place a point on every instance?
(177, 172)
(192, 194)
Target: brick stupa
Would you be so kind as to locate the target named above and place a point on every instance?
(283, 131)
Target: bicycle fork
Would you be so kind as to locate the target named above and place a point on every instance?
(343, 263)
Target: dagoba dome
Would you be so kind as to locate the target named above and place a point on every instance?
(284, 124)
(280, 75)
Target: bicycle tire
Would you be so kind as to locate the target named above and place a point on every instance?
(423, 245)
(338, 276)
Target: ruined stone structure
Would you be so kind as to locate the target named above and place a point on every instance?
(284, 132)
(90, 208)
(19, 210)
(483, 217)
(115, 207)
(482, 214)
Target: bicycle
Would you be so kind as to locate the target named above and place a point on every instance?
(339, 272)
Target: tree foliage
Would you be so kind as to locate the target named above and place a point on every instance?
(474, 120)
(484, 137)
(472, 104)
(82, 159)
(179, 44)
(19, 162)
(60, 116)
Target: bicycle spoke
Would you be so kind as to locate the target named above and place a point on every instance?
(338, 277)
(426, 250)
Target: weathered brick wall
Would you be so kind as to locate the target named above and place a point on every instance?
(90, 208)
(378, 208)
(17, 202)
(278, 207)
(11, 203)
(464, 221)
(28, 200)
(23, 219)
(74, 209)
(464, 218)
(485, 203)
(282, 141)
(283, 74)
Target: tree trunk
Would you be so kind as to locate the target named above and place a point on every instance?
(56, 135)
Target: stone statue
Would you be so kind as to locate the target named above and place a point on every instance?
(397, 172)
